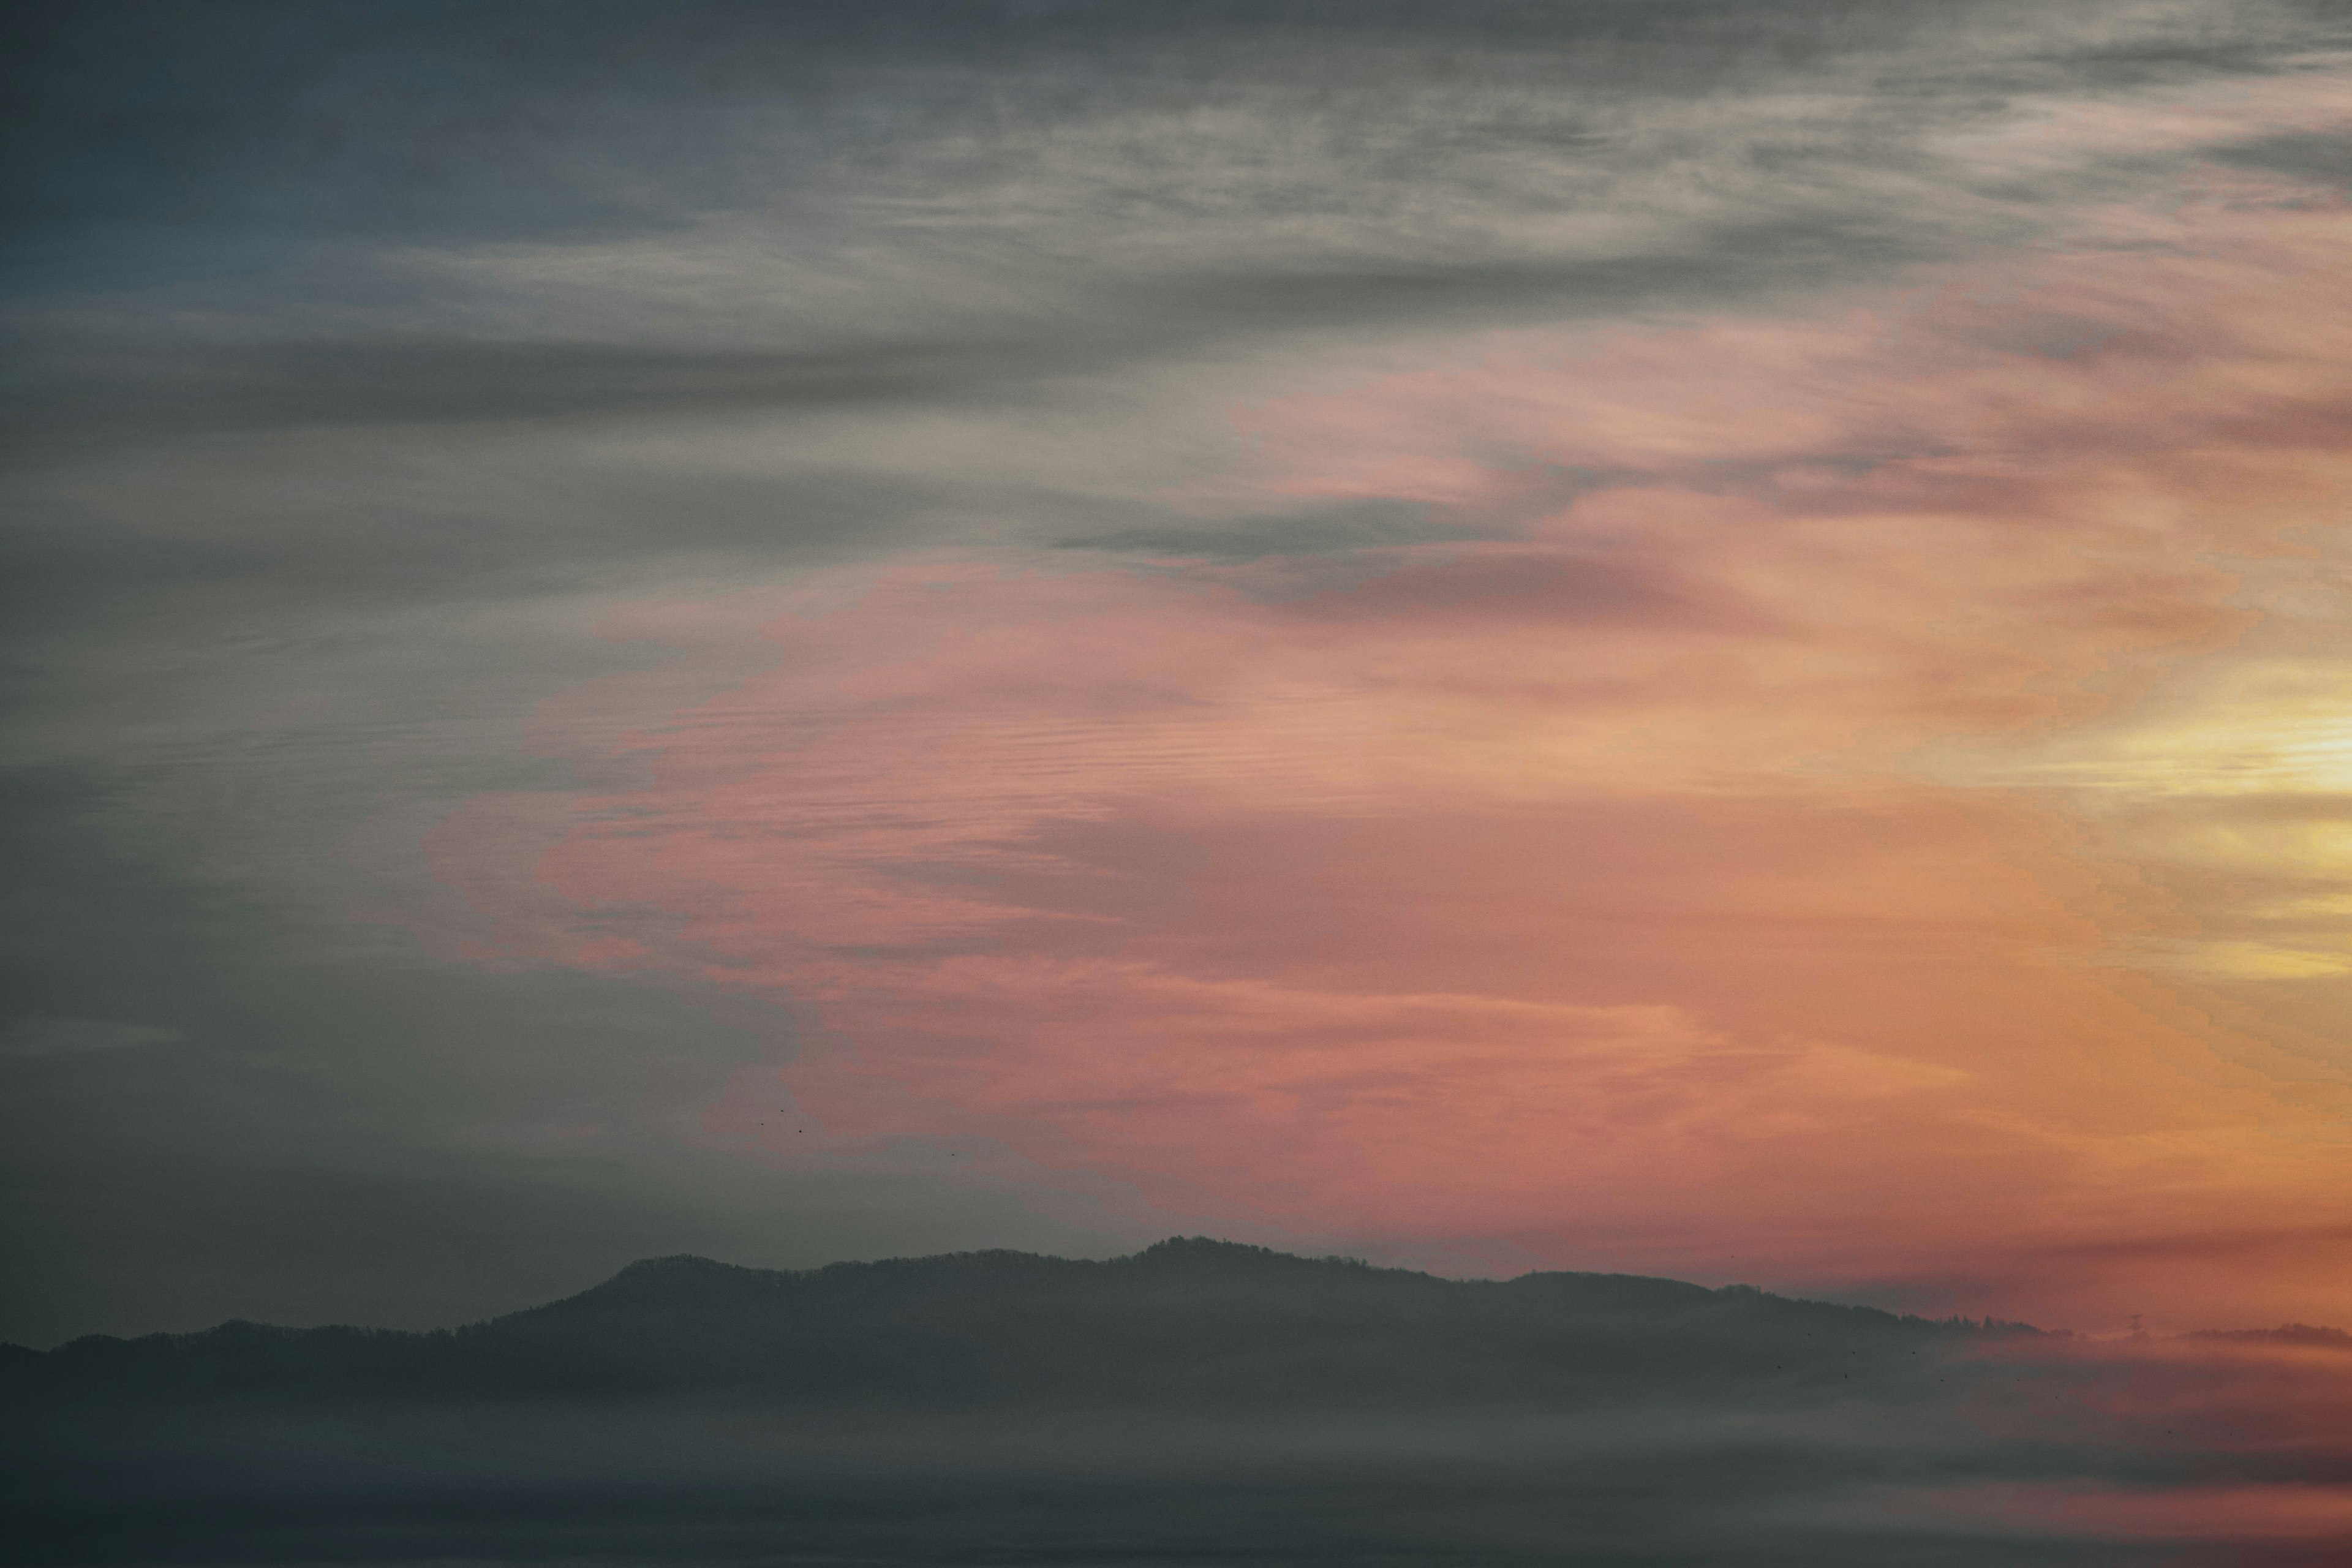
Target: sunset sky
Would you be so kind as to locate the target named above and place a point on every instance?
(1701, 639)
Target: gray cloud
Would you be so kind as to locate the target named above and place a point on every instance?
(331, 1126)
(38, 1036)
(2319, 160)
(1313, 531)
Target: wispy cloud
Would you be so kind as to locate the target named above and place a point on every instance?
(1348, 620)
(1669, 864)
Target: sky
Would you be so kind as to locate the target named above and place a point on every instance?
(1707, 639)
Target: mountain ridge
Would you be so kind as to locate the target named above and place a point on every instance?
(1197, 1401)
(1189, 1322)
(644, 1278)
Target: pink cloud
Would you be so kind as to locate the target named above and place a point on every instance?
(1594, 894)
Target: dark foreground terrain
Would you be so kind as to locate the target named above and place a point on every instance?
(1198, 1402)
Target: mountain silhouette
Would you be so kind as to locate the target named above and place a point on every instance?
(1198, 1402)
(1187, 1323)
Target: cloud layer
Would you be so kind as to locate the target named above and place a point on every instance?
(1740, 839)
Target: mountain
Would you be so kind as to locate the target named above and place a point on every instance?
(1196, 1402)
(1188, 1323)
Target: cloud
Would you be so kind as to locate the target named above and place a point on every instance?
(1639, 881)
(68, 1036)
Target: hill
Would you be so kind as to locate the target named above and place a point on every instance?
(1186, 1324)
(1198, 1402)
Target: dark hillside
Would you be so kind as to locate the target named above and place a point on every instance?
(1196, 1402)
(1184, 1323)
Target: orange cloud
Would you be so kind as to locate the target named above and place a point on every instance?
(1677, 876)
